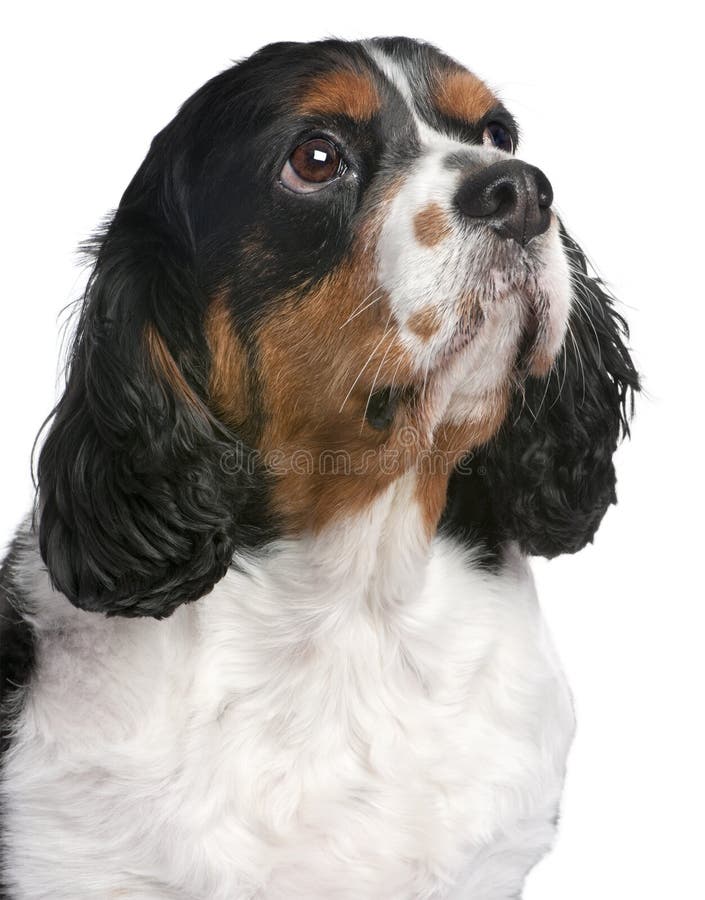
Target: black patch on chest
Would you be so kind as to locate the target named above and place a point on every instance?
(469, 517)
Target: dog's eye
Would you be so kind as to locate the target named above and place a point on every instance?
(312, 166)
(496, 135)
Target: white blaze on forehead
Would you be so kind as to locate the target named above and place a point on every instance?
(397, 76)
(393, 72)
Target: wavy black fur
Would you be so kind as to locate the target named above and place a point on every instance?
(547, 479)
(137, 514)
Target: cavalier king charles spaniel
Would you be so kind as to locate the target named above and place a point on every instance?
(271, 632)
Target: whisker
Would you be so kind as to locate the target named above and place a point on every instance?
(361, 307)
(374, 380)
(545, 392)
(396, 372)
(521, 389)
(581, 302)
(579, 358)
(561, 384)
(369, 359)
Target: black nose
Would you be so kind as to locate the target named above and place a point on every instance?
(512, 196)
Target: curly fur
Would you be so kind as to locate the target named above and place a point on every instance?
(137, 514)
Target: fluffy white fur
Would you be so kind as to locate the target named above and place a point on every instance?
(350, 717)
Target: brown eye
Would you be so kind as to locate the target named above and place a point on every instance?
(312, 166)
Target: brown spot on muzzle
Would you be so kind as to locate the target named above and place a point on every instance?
(431, 225)
(461, 95)
(341, 92)
(424, 323)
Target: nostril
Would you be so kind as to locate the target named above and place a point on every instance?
(511, 197)
(495, 197)
(503, 198)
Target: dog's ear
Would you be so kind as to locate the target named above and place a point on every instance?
(547, 479)
(137, 512)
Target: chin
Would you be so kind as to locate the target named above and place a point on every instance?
(270, 630)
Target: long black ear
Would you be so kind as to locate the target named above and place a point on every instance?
(547, 479)
(137, 513)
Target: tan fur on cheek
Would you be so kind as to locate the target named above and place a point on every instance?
(228, 381)
(321, 356)
(461, 95)
(342, 92)
(431, 225)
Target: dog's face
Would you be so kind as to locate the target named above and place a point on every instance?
(331, 249)
(382, 261)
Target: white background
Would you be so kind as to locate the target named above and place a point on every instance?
(609, 100)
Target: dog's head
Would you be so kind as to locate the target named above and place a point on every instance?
(330, 268)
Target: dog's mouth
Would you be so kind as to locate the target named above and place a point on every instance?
(518, 317)
(384, 403)
(470, 324)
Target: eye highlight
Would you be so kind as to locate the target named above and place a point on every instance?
(312, 166)
(496, 135)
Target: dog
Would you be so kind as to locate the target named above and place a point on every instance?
(271, 631)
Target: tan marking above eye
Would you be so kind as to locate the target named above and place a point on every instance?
(431, 225)
(342, 92)
(425, 322)
(461, 95)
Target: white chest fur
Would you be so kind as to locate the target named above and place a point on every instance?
(317, 727)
